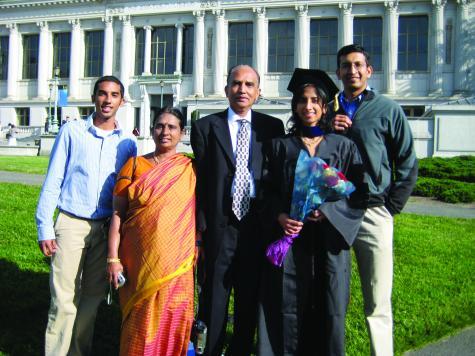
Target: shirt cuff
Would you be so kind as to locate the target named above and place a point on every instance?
(46, 233)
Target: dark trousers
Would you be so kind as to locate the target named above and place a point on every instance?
(236, 265)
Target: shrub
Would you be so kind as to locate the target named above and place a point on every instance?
(461, 168)
(426, 187)
(462, 194)
(195, 115)
(448, 190)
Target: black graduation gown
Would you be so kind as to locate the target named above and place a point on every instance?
(304, 302)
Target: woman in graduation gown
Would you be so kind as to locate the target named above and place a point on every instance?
(304, 302)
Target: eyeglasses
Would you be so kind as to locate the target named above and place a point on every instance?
(348, 65)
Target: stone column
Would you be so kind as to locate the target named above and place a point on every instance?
(43, 73)
(199, 52)
(147, 57)
(390, 45)
(145, 112)
(302, 37)
(179, 46)
(75, 61)
(12, 61)
(437, 47)
(108, 46)
(125, 47)
(218, 48)
(461, 66)
(176, 90)
(259, 58)
(345, 36)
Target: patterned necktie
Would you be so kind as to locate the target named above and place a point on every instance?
(242, 177)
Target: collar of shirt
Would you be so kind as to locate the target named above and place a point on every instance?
(100, 132)
(233, 124)
(351, 106)
(234, 118)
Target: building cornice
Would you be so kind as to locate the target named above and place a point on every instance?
(99, 9)
(12, 4)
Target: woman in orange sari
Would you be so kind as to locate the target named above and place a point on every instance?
(152, 241)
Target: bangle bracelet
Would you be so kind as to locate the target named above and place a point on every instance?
(113, 260)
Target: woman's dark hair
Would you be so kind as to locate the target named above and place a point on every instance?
(173, 111)
(295, 124)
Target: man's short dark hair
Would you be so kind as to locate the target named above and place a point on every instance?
(234, 68)
(351, 49)
(108, 78)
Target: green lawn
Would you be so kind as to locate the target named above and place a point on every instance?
(434, 283)
(433, 293)
(23, 164)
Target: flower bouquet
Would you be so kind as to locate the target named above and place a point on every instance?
(314, 182)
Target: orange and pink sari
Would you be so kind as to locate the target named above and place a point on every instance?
(157, 250)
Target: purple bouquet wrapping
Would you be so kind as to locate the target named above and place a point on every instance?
(315, 181)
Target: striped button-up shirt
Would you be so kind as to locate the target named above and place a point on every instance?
(83, 166)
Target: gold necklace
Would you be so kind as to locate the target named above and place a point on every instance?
(155, 159)
(311, 141)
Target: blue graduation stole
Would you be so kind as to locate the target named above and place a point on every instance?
(313, 131)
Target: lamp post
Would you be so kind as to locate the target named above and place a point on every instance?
(55, 122)
(48, 119)
(162, 83)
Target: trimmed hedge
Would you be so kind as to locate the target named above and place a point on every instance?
(448, 179)
(461, 168)
(448, 190)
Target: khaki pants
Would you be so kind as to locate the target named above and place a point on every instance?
(77, 283)
(374, 253)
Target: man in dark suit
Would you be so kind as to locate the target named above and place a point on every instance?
(228, 148)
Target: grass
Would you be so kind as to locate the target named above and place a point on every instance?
(433, 283)
(24, 164)
(433, 290)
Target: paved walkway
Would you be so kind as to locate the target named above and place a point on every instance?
(460, 344)
(22, 178)
(430, 206)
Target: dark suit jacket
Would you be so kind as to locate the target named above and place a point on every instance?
(216, 165)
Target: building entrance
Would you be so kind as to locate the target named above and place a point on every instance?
(155, 101)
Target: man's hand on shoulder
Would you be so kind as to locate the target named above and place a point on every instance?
(47, 247)
(341, 123)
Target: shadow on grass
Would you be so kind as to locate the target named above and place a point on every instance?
(24, 297)
(24, 303)
(107, 330)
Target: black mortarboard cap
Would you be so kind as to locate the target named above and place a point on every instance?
(317, 77)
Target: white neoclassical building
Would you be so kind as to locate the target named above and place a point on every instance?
(178, 53)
